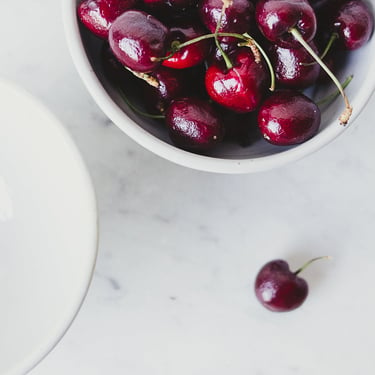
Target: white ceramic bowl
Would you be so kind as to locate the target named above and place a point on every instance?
(48, 231)
(228, 158)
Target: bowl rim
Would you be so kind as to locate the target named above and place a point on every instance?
(173, 153)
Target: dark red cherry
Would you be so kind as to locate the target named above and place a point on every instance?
(168, 5)
(138, 39)
(172, 84)
(278, 288)
(332, 62)
(325, 4)
(288, 117)
(354, 22)
(275, 18)
(168, 11)
(241, 128)
(294, 67)
(112, 68)
(216, 55)
(191, 55)
(98, 15)
(240, 88)
(194, 124)
(238, 17)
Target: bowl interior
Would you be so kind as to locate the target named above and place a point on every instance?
(359, 92)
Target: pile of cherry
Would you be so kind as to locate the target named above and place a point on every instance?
(215, 70)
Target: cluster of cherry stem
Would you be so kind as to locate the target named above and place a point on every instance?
(247, 41)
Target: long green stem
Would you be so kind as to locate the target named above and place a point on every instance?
(198, 39)
(246, 38)
(266, 59)
(136, 109)
(333, 37)
(345, 116)
(227, 61)
(309, 262)
(206, 36)
(331, 97)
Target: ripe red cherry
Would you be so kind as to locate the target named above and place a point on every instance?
(354, 23)
(294, 67)
(288, 117)
(275, 18)
(278, 288)
(325, 4)
(216, 55)
(194, 124)
(240, 88)
(168, 5)
(237, 18)
(191, 55)
(98, 15)
(172, 84)
(138, 39)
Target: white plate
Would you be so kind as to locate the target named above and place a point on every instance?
(48, 231)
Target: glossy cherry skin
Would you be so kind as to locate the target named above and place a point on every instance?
(191, 55)
(216, 56)
(137, 39)
(175, 4)
(237, 18)
(289, 66)
(112, 68)
(278, 288)
(194, 124)
(288, 117)
(98, 15)
(354, 23)
(240, 88)
(172, 84)
(276, 17)
(325, 5)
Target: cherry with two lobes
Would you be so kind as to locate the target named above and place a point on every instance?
(280, 289)
(205, 61)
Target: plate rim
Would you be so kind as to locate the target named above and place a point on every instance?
(61, 328)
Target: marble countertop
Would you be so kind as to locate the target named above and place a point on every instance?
(179, 249)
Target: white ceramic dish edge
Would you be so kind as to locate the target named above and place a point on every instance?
(41, 352)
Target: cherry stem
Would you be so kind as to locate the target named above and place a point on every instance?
(333, 37)
(266, 59)
(311, 261)
(137, 110)
(228, 63)
(345, 116)
(152, 81)
(244, 37)
(331, 97)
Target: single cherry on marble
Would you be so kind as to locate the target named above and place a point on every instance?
(278, 288)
